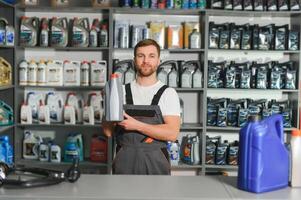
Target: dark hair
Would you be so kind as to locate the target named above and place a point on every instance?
(147, 42)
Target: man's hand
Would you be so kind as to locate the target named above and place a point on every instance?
(108, 128)
(129, 124)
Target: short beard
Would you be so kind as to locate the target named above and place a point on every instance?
(145, 74)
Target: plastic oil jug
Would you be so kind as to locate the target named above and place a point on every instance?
(44, 114)
(174, 152)
(120, 67)
(42, 73)
(195, 150)
(88, 115)
(6, 151)
(114, 99)
(296, 159)
(73, 148)
(162, 75)
(93, 37)
(98, 149)
(129, 74)
(71, 73)
(6, 72)
(33, 100)
(55, 73)
(32, 73)
(9, 36)
(84, 74)
(80, 32)
(3, 24)
(25, 115)
(96, 101)
(55, 103)
(44, 152)
(263, 157)
(31, 145)
(98, 73)
(44, 36)
(23, 72)
(69, 114)
(59, 32)
(104, 36)
(6, 114)
(55, 153)
(29, 31)
(77, 102)
(173, 78)
(197, 78)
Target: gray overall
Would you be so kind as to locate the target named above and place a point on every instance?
(134, 155)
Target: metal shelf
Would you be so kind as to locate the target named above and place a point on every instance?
(185, 166)
(189, 89)
(244, 13)
(234, 129)
(67, 48)
(65, 87)
(253, 90)
(6, 47)
(6, 5)
(37, 163)
(53, 125)
(5, 128)
(234, 167)
(151, 11)
(166, 50)
(69, 9)
(191, 126)
(257, 51)
(6, 87)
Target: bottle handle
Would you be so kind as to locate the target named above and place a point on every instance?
(278, 122)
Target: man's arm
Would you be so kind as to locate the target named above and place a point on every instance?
(108, 128)
(168, 131)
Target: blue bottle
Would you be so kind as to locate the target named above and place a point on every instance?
(6, 151)
(263, 157)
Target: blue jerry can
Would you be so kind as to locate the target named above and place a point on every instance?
(263, 157)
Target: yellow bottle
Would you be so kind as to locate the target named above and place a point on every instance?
(5, 72)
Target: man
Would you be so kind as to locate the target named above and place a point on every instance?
(142, 135)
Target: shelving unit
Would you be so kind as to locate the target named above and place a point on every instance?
(195, 99)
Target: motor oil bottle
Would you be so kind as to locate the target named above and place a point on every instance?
(32, 73)
(55, 153)
(25, 115)
(79, 141)
(44, 114)
(6, 114)
(77, 102)
(232, 158)
(173, 78)
(211, 144)
(6, 151)
(195, 150)
(96, 101)
(98, 73)
(44, 152)
(84, 74)
(258, 140)
(41, 73)
(55, 73)
(88, 115)
(114, 99)
(98, 149)
(197, 78)
(59, 32)
(29, 31)
(73, 148)
(182, 110)
(195, 39)
(23, 72)
(93, 37)
(129, 75)
(44, 33)
(6, 72)
(3, 24)
(162, 76)
(120, 67)
(69, 114)
(71, 73)
(30, 146)
(55, 103)
(33, 100)
(9, 36)
(174, 152)
(104, 36)
(80, 32)
(186, 78)
(295, 156)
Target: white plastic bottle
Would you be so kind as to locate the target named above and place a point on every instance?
(69, 115)
(88, 116)
(32, 73)
(98, 73)
(197, 79)
(55, 73)
(41, 73)
(23, 72)
(84, 74)
(26, 115)
(71, 73)
(44, 114)
(296, 158)
(129, 75)
(173, 78)
(55, 103)
(186, 78)
(55, 153)
(44, 152)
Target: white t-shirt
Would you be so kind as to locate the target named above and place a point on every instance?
(143, 95)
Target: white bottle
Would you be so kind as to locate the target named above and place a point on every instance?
(71, 73)
(33, 100)
(120, 73)
(9, 36)
(44, 114)
(98, 73)
(88, 116)
(129, 75)
(41, 73)
(96, 101)
(93, 37)
(174, 152)
(114, 110)
(55, 73)
(195, 39)
(32, 73)
(23, 72)
(55, 153)
(26, 115)
(162, 76)
(69, 114)
(173, 78)
(296, 158)
(30, 146)
(44, 35)
(195, 150)
(84, 74)
(55, 103)
(77, 102)
(44, 152)
(197, 79)
(186, 79)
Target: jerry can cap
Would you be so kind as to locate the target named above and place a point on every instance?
(296, 132)
(114, 75)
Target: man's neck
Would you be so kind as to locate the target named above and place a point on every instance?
(146, 81)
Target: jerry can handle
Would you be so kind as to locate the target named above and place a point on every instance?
(278, 122)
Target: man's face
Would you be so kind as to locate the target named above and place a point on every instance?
(147, 60)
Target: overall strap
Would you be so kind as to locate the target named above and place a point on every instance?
(128, 94)
(158, 95)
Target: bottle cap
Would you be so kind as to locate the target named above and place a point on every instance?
(114, 76)
(296, 133)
